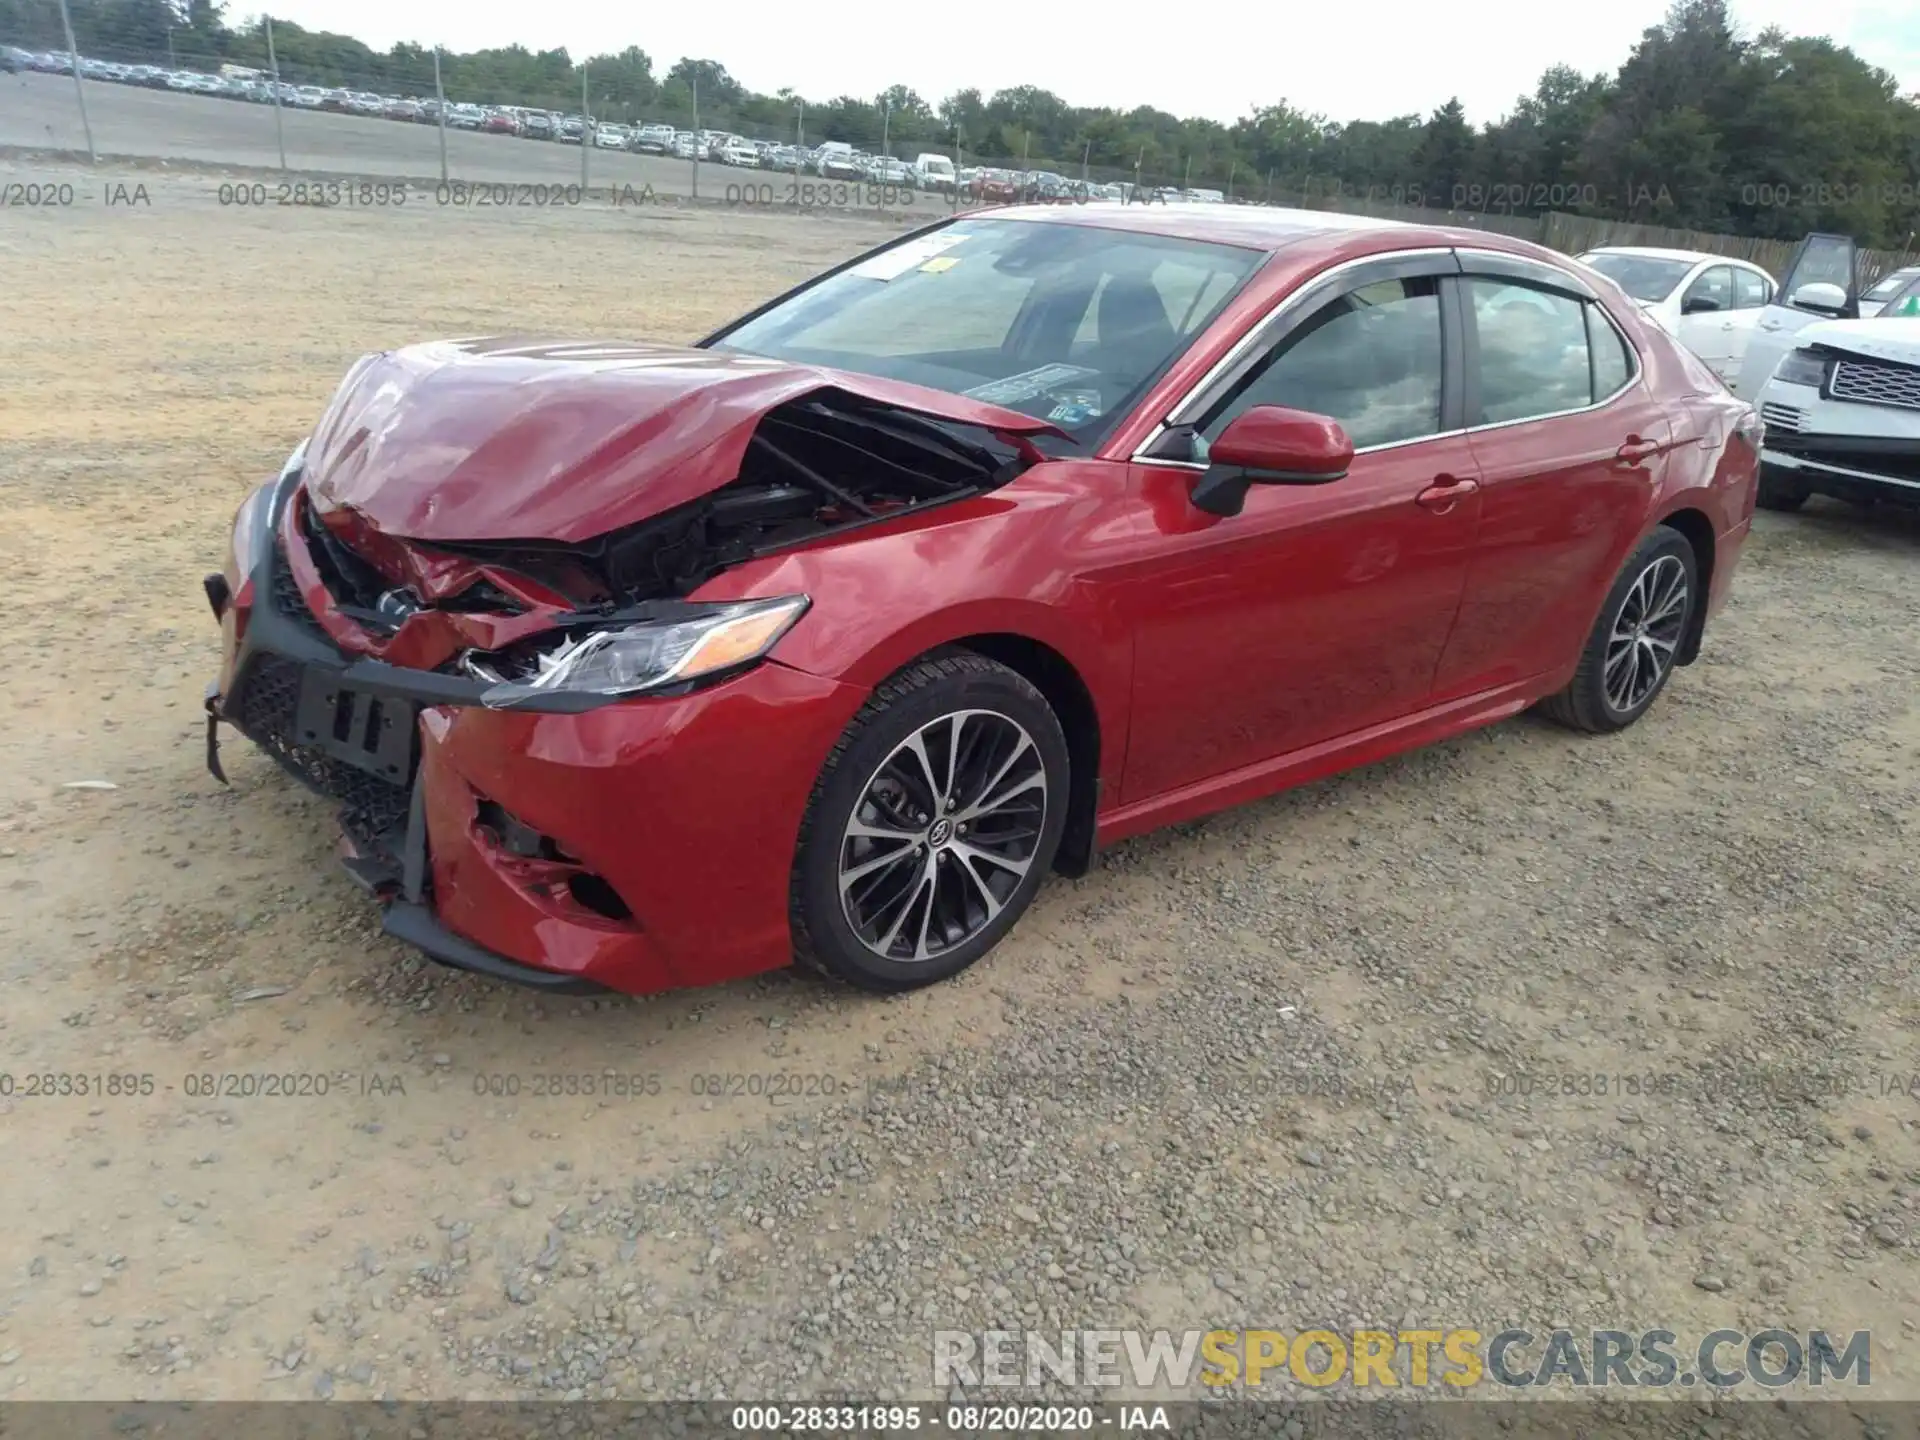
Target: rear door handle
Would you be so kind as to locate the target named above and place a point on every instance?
(1636, 450)
(1445, 492)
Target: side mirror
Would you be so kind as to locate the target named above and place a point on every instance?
(1698, 305)
(1271, 445)
(1821, 296)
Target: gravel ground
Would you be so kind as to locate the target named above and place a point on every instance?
(1259, 1070)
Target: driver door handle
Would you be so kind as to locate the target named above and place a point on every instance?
(1445, 492)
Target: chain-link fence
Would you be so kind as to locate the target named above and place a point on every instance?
(425, 121)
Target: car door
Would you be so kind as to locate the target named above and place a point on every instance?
(1569, 444)
(1819, 259)
(1321, 609)
(1706, 308)
(1751, 292)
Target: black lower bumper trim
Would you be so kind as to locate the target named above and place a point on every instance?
(415, 925)
(214, 767)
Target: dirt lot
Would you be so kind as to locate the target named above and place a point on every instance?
(1247, 1073)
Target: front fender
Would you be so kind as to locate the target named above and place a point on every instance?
(884, 599)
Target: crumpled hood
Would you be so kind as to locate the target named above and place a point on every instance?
(1896, 339)
(506, 438)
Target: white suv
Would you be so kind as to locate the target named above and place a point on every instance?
(1841, 404)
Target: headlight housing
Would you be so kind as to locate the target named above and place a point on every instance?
(1801, 367)
(683, 643)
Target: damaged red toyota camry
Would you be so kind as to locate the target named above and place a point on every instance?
(638, 666)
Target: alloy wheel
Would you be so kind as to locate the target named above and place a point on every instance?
(1646, 633)
(943, 834)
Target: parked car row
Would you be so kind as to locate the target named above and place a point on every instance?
(829, 160)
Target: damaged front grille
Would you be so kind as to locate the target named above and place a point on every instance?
(288, 600)
(373, 810)
(370, 599)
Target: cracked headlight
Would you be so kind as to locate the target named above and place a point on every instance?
(697, 641)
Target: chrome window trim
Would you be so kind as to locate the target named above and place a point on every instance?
(1199, 468)
(1253, 337)
(1580, 289)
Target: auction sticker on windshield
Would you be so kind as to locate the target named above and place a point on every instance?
(907, 255)
(1028, 383)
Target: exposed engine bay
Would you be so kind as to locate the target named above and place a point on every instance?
(823, 463)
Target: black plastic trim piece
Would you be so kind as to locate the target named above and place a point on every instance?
(1815, 443)
(1454, 374)
(413, 857)
(1469, 352)
(415, 925)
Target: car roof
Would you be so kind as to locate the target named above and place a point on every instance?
(1656, 252)
(1308, 234)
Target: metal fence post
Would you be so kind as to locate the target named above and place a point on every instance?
(79, 92)
(273, 69)
(696, 136)
(440, 113)
(587, 141)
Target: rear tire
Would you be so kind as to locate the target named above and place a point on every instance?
(1779, 491)
(931, 826)
(1629, 656)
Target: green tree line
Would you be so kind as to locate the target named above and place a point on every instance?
(1702, 127)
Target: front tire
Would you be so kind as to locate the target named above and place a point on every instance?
(931, 826)
(1629, 655)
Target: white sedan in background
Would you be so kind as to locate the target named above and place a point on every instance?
(610, 137)
(1710, 303)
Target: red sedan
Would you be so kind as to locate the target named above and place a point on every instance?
(637, 666)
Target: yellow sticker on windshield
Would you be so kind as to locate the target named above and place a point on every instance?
(939, 263)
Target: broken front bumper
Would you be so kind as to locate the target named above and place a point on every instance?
(636, 846)
(283, 686)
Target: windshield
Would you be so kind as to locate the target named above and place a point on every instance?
(1904, 303)
(1887, 288)
(1067, 323)
(1644, 277)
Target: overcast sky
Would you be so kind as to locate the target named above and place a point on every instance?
(1355, 60)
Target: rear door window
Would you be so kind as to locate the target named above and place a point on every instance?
(1533, 357)
(1750, 290)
